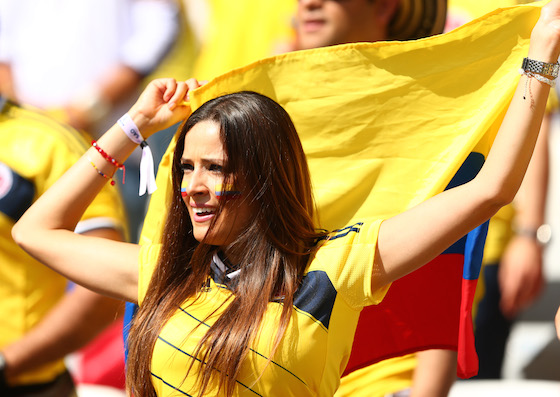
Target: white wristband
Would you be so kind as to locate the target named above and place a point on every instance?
(130, 129)
(542, 79)
(147, 175)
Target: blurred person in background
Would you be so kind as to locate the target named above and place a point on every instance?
(41, 322)
(84, 62)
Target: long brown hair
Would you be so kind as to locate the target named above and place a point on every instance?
(264, 155)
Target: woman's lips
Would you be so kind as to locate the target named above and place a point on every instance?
(313, 25)
(202, 213)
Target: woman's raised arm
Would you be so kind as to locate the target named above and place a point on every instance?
(45, 231)
(413, 238)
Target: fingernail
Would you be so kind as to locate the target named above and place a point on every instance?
(172, 105)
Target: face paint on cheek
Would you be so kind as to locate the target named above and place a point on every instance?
(226, 191)
(183, 190)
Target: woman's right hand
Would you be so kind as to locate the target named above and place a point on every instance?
(162, 104)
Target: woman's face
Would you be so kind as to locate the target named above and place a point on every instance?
(202, 164)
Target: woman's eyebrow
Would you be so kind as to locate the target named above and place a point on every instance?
(205, 160)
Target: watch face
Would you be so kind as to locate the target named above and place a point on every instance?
(544, 234)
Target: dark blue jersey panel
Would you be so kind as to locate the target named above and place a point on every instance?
(16, 193)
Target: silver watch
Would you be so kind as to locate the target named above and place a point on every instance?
(542, 68)
(542, 234)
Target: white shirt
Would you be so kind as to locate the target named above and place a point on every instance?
(59, 49)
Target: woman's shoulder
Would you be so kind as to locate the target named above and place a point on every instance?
(350, 244)
(346, 257)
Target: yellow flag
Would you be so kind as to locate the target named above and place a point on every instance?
(384, 125)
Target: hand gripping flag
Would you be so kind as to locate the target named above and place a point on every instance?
(384, 127)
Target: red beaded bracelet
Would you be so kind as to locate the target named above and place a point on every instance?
(108, 157)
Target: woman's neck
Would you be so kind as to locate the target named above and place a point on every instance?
(231, 255)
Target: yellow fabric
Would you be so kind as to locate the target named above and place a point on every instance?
(499, 234)
(39, 150)
(553, 102)
(261, 29)
(336, 284)
(384, 125)
(377, 380)
(179, 62)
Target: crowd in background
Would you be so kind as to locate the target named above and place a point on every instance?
(83, 63)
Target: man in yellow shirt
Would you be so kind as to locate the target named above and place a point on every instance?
(40, 321)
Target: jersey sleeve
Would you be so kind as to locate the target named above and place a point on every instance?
(347, 256)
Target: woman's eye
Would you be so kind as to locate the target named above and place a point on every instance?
(215, 168)
(186, 167)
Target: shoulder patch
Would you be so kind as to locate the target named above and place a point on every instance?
(316, 296)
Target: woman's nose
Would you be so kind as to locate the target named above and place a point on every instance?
(310, 4)
(195, 184)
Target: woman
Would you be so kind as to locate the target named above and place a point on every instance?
(246, 296)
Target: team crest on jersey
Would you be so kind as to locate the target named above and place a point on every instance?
(16, 193)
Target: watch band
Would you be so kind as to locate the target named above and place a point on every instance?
(542, 234)
(542, 68)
